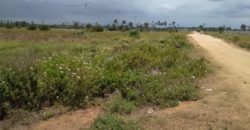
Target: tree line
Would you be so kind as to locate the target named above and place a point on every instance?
(113, 26)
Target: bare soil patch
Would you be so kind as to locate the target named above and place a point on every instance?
(81, 119)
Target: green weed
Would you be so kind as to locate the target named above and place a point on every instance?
(113, 122)
(118, 105)
(134, 33)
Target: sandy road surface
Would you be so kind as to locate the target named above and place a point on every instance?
(232, 59)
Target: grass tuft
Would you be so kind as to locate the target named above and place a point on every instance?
(113, 122)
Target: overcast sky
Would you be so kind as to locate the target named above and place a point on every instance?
(185, 12)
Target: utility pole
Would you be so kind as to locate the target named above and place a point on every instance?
(86, 6)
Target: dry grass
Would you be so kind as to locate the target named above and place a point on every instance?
(239, 39)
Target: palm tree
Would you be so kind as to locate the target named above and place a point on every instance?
(165, 24)
(146, 25)
(115, 22)
(124, 22)
(173, 23)
(130, 24)
(243, 27)
(159, 23)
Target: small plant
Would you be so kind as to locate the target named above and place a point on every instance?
(4, 110)
(9, 26)
(44, 28)
(80, 33)
(120, 106)
(236, 39)
(97, 28)
(113, 122)
(32, 27)
(134, 33)
(221, 29)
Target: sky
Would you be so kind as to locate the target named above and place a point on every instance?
(185, 12)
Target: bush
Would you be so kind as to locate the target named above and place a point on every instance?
(32, 27)
(97, 28)
(120, 106)
(18, 89)
(236, 39)
(4, 110)
(134, 33)
(221, 29)
(67, 80)
(9, 26)
(80, 33)
(89, 26)
(113, 122)
(44, 28)
(131, 73)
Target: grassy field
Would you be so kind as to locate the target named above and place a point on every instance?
(72, 68)
(239, 39)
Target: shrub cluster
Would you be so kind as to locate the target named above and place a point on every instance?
(118, 105)
(145, 74)
(32, 27)
(113, 122)
(134, 33)
(97, 28)
(44, 27)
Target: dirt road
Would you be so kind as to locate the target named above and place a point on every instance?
(225, 94)
(234, 61)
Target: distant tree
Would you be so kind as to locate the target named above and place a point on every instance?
(153, 24)
(9, 26)
(24, 24)
(228, 28)
(88, 26)
(165, 24)
(113, 27)
(1, 23)
(17, 24)
(44, 27)
(243, 27)
(76, 24)
(159, 23)
(32, 27)
(146, 25)
(201, 27)
(221, 29)
(123, 26)
(115, 22)
(131, 25)
(173, 23)
(97, 28)
(124, 22)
